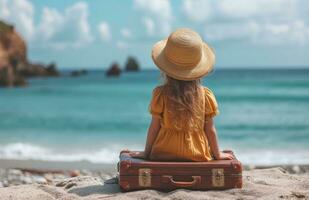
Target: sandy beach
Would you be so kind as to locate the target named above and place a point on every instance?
(50, 183)
(181, 80)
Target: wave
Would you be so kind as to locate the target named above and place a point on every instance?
(269, 98)
(273, 157)
(22, 151)
(263, 127)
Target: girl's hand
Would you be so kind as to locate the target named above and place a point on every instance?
(225, 156)
(138, 154)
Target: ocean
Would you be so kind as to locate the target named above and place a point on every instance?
(264, 116)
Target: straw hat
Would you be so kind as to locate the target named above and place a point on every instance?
(183, 56)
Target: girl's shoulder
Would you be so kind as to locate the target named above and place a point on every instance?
(157, 103)
(211, 103)
(207, 91)
(157, 94)
(157, 90)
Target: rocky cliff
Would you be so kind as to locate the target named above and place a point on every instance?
(14, 64)
(131, 65)
(113, 70)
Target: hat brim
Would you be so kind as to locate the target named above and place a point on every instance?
(173, 70)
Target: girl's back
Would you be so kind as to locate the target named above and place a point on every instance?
(182, 107)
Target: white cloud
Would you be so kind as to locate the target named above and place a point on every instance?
(121, 45)
(149, 25)
(197, 10)
(257, 21)
(104, 31)
(4, 10)
(265, 9)
(159, 11)
(231, 31)
(126, 33)
(20, 13)
(294, 33)
(201, 10)
(68, 29)
(54, 29)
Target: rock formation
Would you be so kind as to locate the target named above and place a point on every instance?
(14, 65)
(37, 69)
(113, 70)
(132, 65)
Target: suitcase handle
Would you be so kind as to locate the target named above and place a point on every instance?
(183, 184)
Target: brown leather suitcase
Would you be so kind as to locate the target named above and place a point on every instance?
(137, 174)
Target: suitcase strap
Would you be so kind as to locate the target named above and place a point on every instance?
(196, 180)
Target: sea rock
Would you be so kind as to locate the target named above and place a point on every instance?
(113, 70)
(131, 65)
(8, 76)
(9, 79)
(14, 65)
(37, 70)
(51, 69)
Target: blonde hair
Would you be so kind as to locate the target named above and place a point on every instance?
(184, 101)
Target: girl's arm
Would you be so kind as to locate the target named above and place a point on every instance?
(153, 131)
(211, 135)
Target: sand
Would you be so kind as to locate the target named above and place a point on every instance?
(272, 183)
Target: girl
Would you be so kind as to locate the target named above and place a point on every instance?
(182, 126)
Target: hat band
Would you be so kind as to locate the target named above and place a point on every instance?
(181, 64)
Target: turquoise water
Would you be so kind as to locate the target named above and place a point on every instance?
(264, 116)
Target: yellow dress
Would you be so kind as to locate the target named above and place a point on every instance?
(188, 144)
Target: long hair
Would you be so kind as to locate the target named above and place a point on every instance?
(183, 101)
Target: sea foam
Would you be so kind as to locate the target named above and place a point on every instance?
(22, 151)
(109, 155)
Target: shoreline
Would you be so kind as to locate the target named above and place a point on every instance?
(56, 165)
(112, 167)
(20, 172)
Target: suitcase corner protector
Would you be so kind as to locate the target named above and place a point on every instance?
(237, 165)
(124, 185)
(125, 164)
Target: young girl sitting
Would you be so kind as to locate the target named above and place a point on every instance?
(182, 126)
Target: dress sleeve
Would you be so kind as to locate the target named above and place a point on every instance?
(156, 104)
(211, 105)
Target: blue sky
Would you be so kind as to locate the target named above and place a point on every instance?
(93, 34)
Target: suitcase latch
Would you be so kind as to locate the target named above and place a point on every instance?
(217, 177)
(144, 177)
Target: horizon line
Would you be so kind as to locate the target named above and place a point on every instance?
(300, 67)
